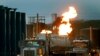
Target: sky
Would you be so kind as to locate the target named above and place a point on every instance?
(86, 9)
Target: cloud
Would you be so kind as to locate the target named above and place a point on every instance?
(89, 9)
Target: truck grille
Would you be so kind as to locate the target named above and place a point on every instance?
(29, 53)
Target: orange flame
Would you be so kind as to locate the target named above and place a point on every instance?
(46, 32)
(65, 26)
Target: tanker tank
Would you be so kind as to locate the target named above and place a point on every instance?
(57, 40)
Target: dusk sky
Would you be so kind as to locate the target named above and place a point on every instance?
(86, 9)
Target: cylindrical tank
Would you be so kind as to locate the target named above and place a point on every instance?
(57, 40)
(2, 31)
(10, 30)
(7, 31)
(18, 30)
(59, 44)
(13, 32)
(23, 25)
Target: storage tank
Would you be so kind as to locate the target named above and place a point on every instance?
(2, 31)
(23, 25)
(7, 30)
(18, 30)
(13, 32)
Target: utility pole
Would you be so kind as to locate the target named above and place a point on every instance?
(91, 33)
(37, 24)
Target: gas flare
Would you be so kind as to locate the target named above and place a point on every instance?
(65, 26)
